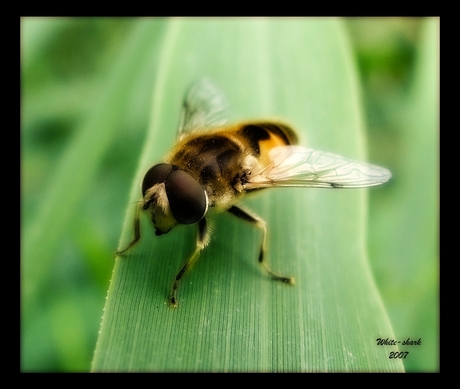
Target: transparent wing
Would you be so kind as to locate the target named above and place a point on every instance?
(205, 106)
(299, 166)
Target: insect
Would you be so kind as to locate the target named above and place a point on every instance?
(214, 165)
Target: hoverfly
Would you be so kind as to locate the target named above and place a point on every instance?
(213, 165)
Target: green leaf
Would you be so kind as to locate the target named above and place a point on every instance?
(231, 316)
(74, 173)
(69, 124)
(408, 268)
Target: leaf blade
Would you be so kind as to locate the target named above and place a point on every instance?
(231, 317)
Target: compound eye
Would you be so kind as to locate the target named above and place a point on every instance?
(156, 175)
(187, 199)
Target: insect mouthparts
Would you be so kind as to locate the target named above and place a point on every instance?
(147, 204)
(159, 232)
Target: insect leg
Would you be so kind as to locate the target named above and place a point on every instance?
(201, 242)
(238, 212)
(137, 232)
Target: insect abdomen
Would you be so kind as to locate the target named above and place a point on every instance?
(264, 136)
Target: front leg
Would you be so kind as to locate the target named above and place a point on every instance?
(238, 212)
(137, 232)
(202, 240)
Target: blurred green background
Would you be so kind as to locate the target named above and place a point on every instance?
(73, 71)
